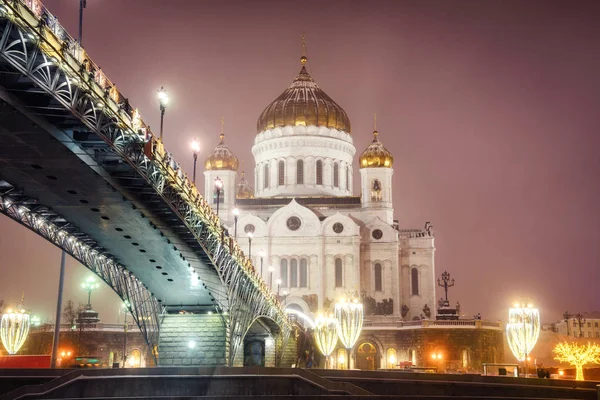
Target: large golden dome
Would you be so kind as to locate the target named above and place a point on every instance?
(221, 158)
(303, 104)
(376, 156)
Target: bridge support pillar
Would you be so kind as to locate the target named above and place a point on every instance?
(192, 340)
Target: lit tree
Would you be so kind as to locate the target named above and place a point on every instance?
(578, 355)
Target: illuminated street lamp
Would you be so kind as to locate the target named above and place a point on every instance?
(90, 285)
(250, 236)
(522, 331)
(278, 282)
(325, 334)
(125, 310)
(14, 329)
(349, 316)
(35, 321)
(437, 357)
(236, 215)
(195, 150)
(218, 188)
(261, 254)
(163, 100)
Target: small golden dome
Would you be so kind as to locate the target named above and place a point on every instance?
(304, 103)
(243, 190)
(376, 156)
(221, 158)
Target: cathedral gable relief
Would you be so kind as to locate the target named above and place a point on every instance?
(372, 307)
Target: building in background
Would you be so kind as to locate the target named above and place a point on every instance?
(315, 239)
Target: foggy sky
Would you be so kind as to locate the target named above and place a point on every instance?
(490, 109)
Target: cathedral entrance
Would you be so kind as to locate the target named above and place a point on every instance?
(367, 357)
(254, 353)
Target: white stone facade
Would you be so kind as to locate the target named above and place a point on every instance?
(320, 239)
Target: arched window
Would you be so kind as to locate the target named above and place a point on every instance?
(294, 273)
(303, 273)
(319, 172)
(347, 178)
(283, 273)
(465, 358)
(338, 273)
(300, 172)
(392, 359)
(266, 185)
(414, 280)
(281, 174)
(376, 190)
(412, 356)
(336, 175)
(378, 282)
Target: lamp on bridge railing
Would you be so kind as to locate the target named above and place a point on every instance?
(163, 100)
(236, 215)
(218, 189)
(261, 254)
(195, 150)
(250, 236)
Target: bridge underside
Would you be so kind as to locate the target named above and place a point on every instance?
(78, 167)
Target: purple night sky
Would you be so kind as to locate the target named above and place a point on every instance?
(489, 108)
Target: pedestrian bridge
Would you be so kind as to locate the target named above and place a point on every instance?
(79, 167)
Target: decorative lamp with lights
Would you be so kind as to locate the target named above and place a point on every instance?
(349, 322)
(522, 330)
(325, 333)
(14, 329)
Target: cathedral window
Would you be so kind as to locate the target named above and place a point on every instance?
(378, 280)
(338, 273)
(283, 273)
(266, 183)
(319, 172)
(300, 172)
(294, 273)
(281, 174)
(414, 281)
(336, 175)
(303, 273)
(376, 190)
(347, 178)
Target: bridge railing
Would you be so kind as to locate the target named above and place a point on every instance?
(73, 59)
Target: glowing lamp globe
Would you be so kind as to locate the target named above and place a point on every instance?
(325, 333)
(522, 330)
(349, 321)
(14, 329)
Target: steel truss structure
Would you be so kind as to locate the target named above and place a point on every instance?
(142, 305)
(35, 45)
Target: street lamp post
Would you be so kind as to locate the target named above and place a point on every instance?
(82, 5)
(271, 269)
(278, 285)
(163, 100)
(125, 311)
(261, 254)
(567, 318)
(195, 150)
(90, 285)
(236, 215)
(218, 188)
(250, 235)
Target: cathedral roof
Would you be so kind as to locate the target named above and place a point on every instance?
(303, 103)
(376, 156)
(221, 158)
(244, 191)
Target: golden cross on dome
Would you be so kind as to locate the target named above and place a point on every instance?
(375, 133)
(222, 128)
(303, 59)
